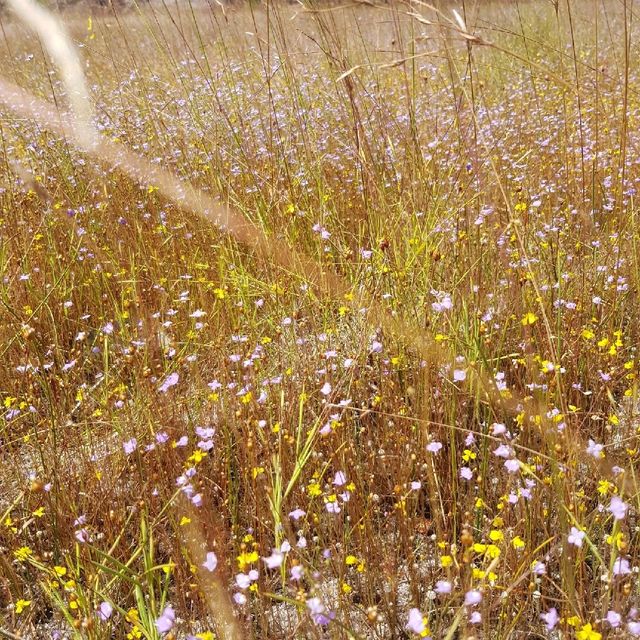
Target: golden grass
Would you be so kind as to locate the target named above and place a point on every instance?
(342, 244)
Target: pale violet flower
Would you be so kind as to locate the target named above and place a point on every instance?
(416, 622)
(459, 375)
(211, 562)
(167, 619)
(443, 587)
(614, 619)
(274, 560)
(434, 447)
(104, 611)
(576, 536)
(170, 381)
(618, 508)
(550, 618)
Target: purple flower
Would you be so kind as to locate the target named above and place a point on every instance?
(618, 508)
(416, 621)
(621, 567)
(443, 304)
(614, 618)
(550, 618)
(274, 560)
(443, 587)
(332, 507)
(576, 536)
(340, 478)
(211, 562)
(594, 449)
(108, 328)
(512, 465)
(167, 619)
(466, 473)
(459, 375)
(473, 597)
(244, 580)
(326, 389)
(317, 611)
(170, 381)
(296, 514)
(104, 611)
(81, 535)
(503, 451)
(498, 428)
(434, 447)
(130, 446)
(296, 572)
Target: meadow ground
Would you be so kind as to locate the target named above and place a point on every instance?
(395, 396)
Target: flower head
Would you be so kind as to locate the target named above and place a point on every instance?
(167, 619)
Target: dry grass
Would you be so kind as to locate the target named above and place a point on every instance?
(359, 281)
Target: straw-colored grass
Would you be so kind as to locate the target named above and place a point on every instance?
(320, 321)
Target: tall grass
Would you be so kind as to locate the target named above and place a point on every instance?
(332, 333)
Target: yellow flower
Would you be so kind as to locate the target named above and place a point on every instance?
(493, 552)
(518, 543)
(529, 318)
(588, 633)
(446, 561)
(618, 540)
(132, 615)
(246, 558)
(197, 456)
(496, 536)
(59, 571)
(314, 489)
(604, 486)
(23, 553)
(21, 605)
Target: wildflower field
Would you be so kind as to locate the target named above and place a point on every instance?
(320, 320)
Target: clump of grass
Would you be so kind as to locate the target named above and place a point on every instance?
(393, 394)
